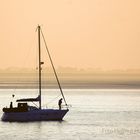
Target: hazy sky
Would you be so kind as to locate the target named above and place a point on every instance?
(80, 33)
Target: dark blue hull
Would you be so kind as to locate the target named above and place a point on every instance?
(35, 115)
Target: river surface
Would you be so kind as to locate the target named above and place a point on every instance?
(101, 114)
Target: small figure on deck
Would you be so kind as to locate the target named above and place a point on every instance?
(11, 105)
(59, 103)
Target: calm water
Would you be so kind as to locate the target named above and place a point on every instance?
(94, 115)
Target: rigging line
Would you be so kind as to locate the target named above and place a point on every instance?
(53, 68)
(53, 99)
(24, 64)
(35, 104)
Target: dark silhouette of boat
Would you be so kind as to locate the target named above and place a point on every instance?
(23, 112)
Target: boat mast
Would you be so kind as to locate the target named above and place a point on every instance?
(39, 65)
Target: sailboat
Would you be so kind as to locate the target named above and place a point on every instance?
(26, 113)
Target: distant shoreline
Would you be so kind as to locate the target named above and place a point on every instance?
(74, 80)
(71, 86)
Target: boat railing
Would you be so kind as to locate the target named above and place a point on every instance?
(55, 107)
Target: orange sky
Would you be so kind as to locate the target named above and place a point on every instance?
(80, 33)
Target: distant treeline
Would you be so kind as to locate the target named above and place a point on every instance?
(71, 70)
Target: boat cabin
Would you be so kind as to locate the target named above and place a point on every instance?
(21, 107)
